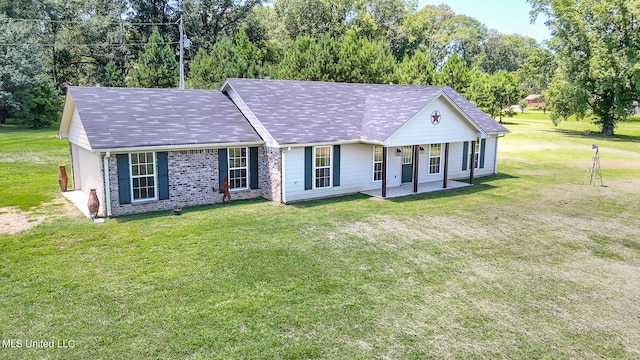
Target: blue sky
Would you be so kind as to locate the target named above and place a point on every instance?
(506, 16)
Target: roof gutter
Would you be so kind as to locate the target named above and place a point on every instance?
(179, 147)
(326, 143)
(284, 175)
(107, 183)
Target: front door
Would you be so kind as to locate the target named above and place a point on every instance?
(407, 164)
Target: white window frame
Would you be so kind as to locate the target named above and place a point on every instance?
(231, 167)
(328, 167)
(439, 157)
(381, 150)
(133, 177)
(476, 155)
(407, 155)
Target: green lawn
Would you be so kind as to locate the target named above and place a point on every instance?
(527, 264)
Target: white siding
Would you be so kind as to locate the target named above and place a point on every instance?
(87, 170)
(356, 173)
(253, 120)
(455, 160)
(356, 169)
(394, 167)
(453, 127)
(77, 134)
(423, 172)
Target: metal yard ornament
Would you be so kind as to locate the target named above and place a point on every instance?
(594, 173)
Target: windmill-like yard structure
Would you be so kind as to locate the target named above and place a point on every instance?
(594, 173)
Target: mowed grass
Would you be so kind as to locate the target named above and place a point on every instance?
(29, 162)
(531, 263)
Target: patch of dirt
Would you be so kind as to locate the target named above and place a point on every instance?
(13, 220)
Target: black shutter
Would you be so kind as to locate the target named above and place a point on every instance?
(163, 175)
(223, 167)
(465, 155)
(124, 189)
(483, 143)
(336, 165)
(253, 167)
(308, 168)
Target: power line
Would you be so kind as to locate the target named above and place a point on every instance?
(83, 22)
(79, 45)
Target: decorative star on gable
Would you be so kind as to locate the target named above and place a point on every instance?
(435, 117)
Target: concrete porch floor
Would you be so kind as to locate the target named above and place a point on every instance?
(407, 189)
(80, 199)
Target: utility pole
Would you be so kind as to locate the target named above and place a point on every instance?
(181, 54)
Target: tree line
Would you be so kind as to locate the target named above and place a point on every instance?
(47, 45)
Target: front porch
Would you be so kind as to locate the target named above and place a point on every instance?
(408, 189)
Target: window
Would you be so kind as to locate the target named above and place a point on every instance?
(435, 152)
(377, 163)
(407, 155)
(143, 176)
(237, 168)
(322, 166)
(476, 159)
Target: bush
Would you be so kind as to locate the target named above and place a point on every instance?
(39, 105)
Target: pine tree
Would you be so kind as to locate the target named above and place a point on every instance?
(156, 66)
(112, 76)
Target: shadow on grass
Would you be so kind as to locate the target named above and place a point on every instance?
(328, 201)
(186, 210)
(510, 123)
(595, 135)
(480, 184)
(21, 128)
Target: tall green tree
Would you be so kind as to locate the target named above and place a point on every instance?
(382, 20)
(206, 21)
(310, 59)
(26, 91)
(537, 70)
(157, 66)
(493, 93)
(454, 73)
(504, 92)
(598, 51)
(39, 104)
(438, 31)
(111, 76)
(228, 58)
(364, 61)
(479, 90)
(416, 69)
(504, 52)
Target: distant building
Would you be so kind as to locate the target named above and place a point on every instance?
(534, 101)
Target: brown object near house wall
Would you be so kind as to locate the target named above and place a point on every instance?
(63, 179)
(225, 190)
(93, 204)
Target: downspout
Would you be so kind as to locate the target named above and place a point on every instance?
(495, 155)
(284, 176)
(107, 184)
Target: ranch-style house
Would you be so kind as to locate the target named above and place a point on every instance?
(160, 149)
